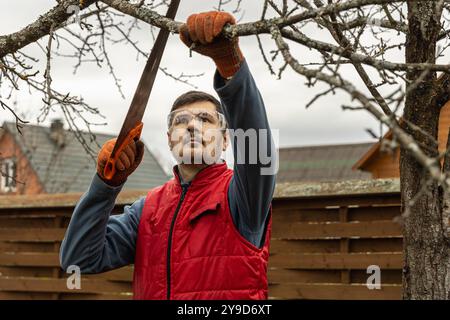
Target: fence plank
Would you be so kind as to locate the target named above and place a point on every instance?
(29, 259)
(304, 276)
(363, 200)
(298, 230)
(373, 213)
(280, 276)
(317, 245)
(334, 291)
(306, 215)
(336, 261)
(376, 245)
(387, 276)
(6, 295)
(21, 222)
(124, 274)
(15, 271)
(332, 245)
(32, 234)
(98, 296)
(60, 285)
(6, 246)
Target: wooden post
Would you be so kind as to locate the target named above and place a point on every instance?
(344, 244)
(58, 220)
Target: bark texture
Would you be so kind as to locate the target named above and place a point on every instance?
(426, 271)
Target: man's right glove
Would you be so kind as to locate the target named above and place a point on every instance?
(128, 161)
(204, 30)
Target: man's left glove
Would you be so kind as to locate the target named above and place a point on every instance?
(129, 159)
(204, 30)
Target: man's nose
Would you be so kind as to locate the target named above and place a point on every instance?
(193, 125)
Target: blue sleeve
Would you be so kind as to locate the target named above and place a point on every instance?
(95, 241)
(253, 183)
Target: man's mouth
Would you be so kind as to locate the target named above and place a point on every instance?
(194, 142)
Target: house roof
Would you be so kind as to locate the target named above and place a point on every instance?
(321, 163)
(365, 158)
(70, 168)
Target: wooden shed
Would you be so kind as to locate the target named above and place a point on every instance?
(386, 165)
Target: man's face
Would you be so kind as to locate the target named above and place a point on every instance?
(196, 133)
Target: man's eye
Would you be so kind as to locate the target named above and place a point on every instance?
(181, 120)
(205, 118)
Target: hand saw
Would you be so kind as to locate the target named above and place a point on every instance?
(132, 125)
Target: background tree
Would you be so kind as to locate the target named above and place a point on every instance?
(366, 37)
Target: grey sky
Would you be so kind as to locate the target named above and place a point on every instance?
(285, 99)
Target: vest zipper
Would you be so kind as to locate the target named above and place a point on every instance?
(172, 225)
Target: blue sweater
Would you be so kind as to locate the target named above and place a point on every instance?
(97, 241)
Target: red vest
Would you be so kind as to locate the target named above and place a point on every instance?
(189, 248)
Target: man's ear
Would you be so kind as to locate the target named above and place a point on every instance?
(168, 140)
(226, 140)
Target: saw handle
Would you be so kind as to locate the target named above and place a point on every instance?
(110, 168)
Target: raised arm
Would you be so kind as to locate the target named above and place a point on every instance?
(253, 183)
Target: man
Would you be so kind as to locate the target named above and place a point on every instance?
(205, 233)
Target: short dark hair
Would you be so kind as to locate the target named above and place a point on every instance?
(195, 96)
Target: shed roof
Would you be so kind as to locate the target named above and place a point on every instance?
(321, 163)
(288, 190)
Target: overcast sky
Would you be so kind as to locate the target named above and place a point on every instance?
(285, 99)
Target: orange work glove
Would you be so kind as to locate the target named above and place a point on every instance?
(127, 162)
(204, 30)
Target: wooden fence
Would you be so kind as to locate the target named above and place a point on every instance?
(324, 237)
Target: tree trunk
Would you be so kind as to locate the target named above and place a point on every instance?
(426, 269)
